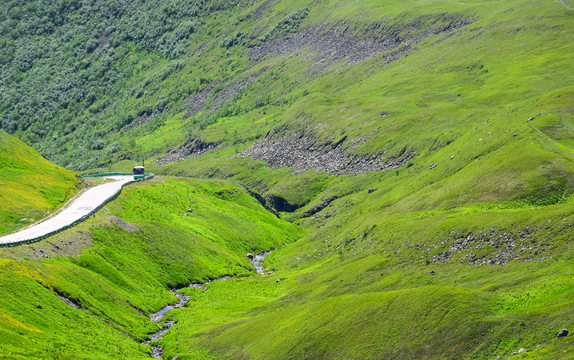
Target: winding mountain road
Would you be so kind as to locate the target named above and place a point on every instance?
(77, 208)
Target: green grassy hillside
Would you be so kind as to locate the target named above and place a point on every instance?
(118, 266)
(30, 186)
(421, 152)
(358, 291)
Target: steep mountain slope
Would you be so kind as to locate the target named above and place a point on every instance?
(422, 150)
(85, 293)
(30, 186)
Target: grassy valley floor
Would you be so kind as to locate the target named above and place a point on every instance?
(371, 298)
(85, 293)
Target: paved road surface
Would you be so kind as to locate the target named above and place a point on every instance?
(74, 210)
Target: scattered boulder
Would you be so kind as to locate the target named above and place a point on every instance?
(277, 280)
(522, 350)
(371, 190)
(432, 166)
(503, 246)
(431, 272)
(530, 119)
(383, 114)
(175, 358)
(250, 255)
(190, 210)
(562, 333)
(452, 157)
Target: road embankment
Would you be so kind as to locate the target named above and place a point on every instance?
(77, 210)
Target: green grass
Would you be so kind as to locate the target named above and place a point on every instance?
(31, 186)
(455, 97)
(124, 275)
(374, 297)
(357, 283)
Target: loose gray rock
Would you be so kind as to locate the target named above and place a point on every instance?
(326, 45)
(371, 190)
(175, 358)
(190, 210)
(250, 255)
(193, 146)
(432, 166)
(303, 150)
(522, 350)
(503, 246)
(562, 333)
(530, 119)
(431, 272)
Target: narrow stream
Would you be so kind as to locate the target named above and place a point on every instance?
(257, 259)
(157, 351)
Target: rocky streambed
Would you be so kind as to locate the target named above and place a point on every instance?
(157, 351)
(257, 259)
(157, 317)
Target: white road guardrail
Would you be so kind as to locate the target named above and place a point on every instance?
(76, 211)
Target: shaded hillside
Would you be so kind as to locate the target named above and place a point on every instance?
(30, 186)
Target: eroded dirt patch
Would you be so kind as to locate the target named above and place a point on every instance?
(123, 224)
